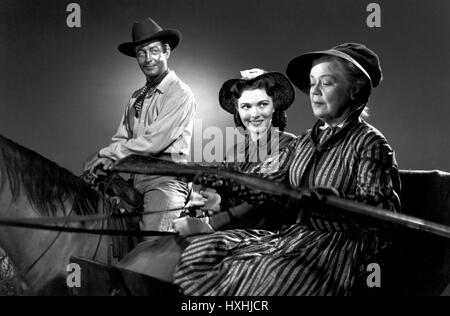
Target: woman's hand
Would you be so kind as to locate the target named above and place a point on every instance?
(208, 200)
(211, 201)
(188, 226)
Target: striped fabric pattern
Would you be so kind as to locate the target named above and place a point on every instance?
(255, 152)
(324, 254)
(296, 261)
(357, 161)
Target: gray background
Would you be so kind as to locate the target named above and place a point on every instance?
(63, 90)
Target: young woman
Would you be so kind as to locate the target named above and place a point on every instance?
(258, 102)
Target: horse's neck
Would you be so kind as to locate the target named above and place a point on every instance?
(41, 257)
(53, 259)
(38, 255)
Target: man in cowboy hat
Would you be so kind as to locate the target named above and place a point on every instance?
(158, 121)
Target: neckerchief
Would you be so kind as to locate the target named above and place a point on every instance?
(150, 86)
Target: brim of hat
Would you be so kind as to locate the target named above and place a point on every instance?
(284, 96)
(299, 68)
(171, 37)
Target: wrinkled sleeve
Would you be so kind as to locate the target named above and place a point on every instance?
(122, 134)
(378, 181)
(177, 113)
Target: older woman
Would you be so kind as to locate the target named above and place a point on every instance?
(258, 102)
(323, 251)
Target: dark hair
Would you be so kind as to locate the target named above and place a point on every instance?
(279, 117)
(164, 46)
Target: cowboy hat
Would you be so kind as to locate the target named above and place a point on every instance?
(146, 31)
(359, 55)
(284, 94)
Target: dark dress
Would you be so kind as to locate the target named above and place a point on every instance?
(326, 252)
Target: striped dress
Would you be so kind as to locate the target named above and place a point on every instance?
(244, 157)
(325, 252)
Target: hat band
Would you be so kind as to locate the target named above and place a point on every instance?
(350, 59)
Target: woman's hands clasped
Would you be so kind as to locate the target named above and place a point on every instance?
(208, 202)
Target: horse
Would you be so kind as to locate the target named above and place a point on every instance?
(32, 186)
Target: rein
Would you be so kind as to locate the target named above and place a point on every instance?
(151, 165)
(45, 224)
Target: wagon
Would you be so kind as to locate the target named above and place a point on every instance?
(418, 263)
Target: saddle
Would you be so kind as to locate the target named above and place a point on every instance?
(118, 189)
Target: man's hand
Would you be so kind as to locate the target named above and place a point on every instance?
(93, 165)
(89, 161)
(188, 226)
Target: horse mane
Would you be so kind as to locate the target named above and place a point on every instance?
(47, 186)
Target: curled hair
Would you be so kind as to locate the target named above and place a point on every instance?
(279, 117)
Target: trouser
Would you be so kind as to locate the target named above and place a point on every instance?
(161, 193)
